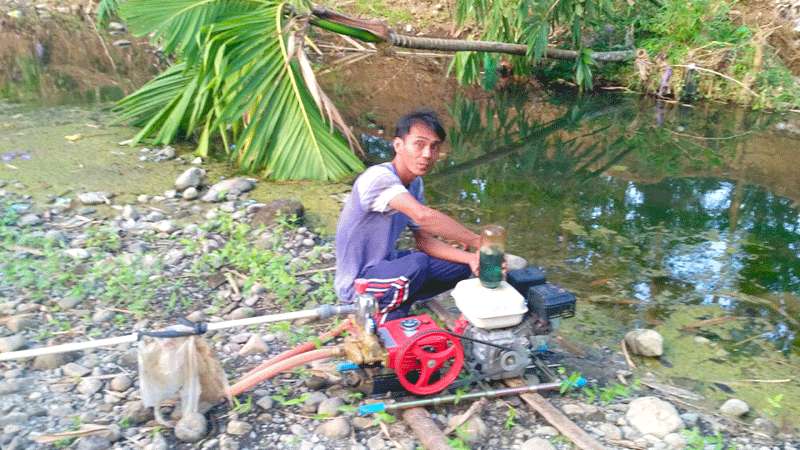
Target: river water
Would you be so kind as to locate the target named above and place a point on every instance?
(685, 219)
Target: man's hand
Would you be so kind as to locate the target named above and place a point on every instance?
(475, 263)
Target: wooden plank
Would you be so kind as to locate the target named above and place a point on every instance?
(556, 418)
(425, 429)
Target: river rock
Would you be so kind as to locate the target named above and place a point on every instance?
(95, 198)
(129, 213)
(20, 323)
(89, 386)
(29, 220)
(157, 443)
(164, 226)
(473, 430)
(765, 426)
(645, 342)
(10, 387)
(265, 215)
(77, 253)
(136, 413)
(537, 444)
(191, 428)
(330, 406)
(190, 193)
(266, 403)
(254, 346)
(376, 443)
(192, 177)
(312, 401)
(734, 408)
(50, 362)
(238, 427)
(675, 441)
(514, 262)
(243, 312)
(75, 370)
(120, 383)
(167, 152)
(233, 186)
(94, 442)
(337, 428)
(651, 415)
(11, 343)
(610, 431)
(102, 316)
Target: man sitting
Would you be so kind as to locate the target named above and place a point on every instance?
(385, 199)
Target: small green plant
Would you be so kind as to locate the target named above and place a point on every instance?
(242, 407)
(511, 417)
(459, 393)
(458, 443)
(64, 442)
(384, 417)
(569, 383)
(775, 405)
(125, 423)
(348, 409)
(292, 401)
(696, 440)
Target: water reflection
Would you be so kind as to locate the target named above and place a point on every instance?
(676, 206)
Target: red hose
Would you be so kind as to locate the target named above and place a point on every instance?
(251, 380)
(302, 348)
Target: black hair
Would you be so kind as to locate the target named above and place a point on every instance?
(425, 117)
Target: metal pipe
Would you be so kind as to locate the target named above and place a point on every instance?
(372, 408)
(322, 312)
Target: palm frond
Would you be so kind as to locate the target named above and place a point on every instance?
(179, 24)
(287, 136)
(245, 65)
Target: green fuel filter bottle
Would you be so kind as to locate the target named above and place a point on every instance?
(492, 252)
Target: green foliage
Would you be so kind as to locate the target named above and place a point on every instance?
(775, 405)
(237, 58)
(610, 393)
(458, 443)
(106, 10)
(569, 383)
(511, 416)
(292, 401)
(531, 22)
(696, 440)
(242, 407)
(384, 417)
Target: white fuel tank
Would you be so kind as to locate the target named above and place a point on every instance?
(489, 308)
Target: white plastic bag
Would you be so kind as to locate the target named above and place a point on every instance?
(185, 365)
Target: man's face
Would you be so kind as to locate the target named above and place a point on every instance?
(419, 150)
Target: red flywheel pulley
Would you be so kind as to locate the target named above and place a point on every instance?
(429, 361)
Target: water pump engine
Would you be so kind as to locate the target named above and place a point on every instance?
(500, 331)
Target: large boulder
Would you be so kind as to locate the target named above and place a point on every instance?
(224, 188)
(734, 408)
(645, 342)
(651, 415)
(266, 214)
(192, 177)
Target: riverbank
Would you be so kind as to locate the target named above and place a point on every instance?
(138, 255)
(73, 273)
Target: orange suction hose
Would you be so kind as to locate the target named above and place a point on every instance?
(302, 348)
(251, 380)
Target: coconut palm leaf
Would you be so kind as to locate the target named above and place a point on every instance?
(287, 135)
(243, 65)
(178, 24)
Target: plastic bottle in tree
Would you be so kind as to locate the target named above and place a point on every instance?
(492, 252)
